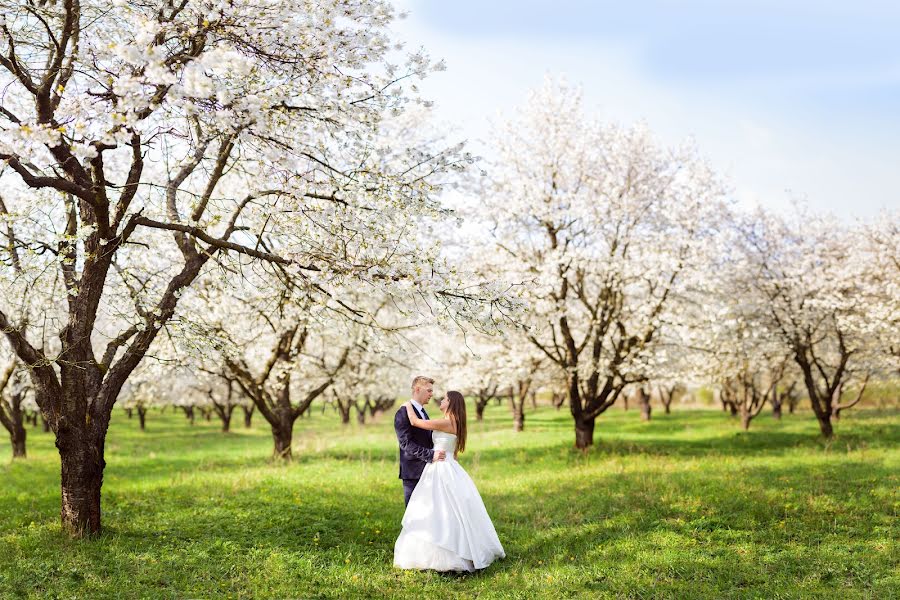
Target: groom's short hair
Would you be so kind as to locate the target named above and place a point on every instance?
(421, 379)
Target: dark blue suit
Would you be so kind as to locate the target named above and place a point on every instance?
(416, 450)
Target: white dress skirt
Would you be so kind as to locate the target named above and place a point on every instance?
(446, 526)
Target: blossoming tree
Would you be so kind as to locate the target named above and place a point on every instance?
(815, 279)
(603, 227)
(145, 144)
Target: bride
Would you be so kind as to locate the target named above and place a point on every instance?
(446, 527)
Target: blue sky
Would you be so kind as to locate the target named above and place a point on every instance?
(786, 99)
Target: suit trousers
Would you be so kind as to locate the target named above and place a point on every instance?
(408, 486)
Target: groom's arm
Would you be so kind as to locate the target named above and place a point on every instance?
(404, 436)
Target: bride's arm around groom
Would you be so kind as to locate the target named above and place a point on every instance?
(408, 445)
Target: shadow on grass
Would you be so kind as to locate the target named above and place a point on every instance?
(210, 518)
(690, 524)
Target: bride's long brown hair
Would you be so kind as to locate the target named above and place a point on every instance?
(456, 411)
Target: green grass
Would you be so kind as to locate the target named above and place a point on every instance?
(686, 506)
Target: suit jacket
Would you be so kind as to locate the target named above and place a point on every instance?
(416, 447)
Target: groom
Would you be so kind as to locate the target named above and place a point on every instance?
(416, 447)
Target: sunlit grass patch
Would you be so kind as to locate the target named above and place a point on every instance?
(686, 506)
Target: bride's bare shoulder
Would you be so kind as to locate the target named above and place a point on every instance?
(446, 425)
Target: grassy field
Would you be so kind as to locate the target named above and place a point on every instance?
(686, 506)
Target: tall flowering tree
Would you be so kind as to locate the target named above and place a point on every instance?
(815, 278)
(143, 144)
(604, 228)
(376, 376)
(282, 355)
(744, 359)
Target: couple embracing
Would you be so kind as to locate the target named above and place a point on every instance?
(445, 527)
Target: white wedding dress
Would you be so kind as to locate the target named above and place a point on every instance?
(446, 527)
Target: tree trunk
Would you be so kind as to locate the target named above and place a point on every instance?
(666, 396)
(644, 401)
(189, 413)
(518, 395)
(776, 410)
(226, 419)
(283, 436)
(142, 417)
(558, 400)
(825, 425)
(128, 412)
(82, 477)
(745, 420)
(248, 416)
(584, 433)
(518, 416)
(13, 420)
(17, 437)
(479, 410)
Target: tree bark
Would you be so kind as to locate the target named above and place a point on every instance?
(666, 396)
(248, 415)
(825, 426)
(344, 412)
(776, 410)
(479, 410)
(82, 477)
(283, 436)
(142, 417)
(518, 394)
(518, 417)
(558, 400)
(17, 437)
(129, 412)
(13, 419)
(584, 433)
(644, 400)
(821, 406)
